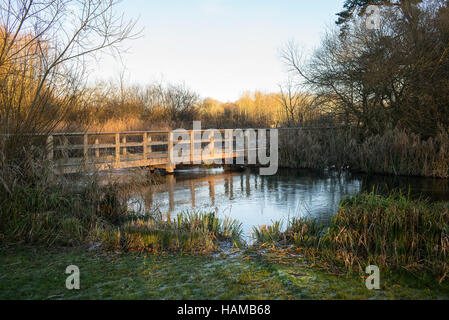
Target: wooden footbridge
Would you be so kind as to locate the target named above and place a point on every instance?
(75, 152)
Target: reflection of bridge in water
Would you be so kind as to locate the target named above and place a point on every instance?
(222, 188)
(191, 185)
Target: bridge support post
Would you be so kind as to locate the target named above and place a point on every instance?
(171, 192)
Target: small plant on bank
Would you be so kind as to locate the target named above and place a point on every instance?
(270, 234)
(187, 232)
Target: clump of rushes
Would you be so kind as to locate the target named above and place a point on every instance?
(270, 234)
(60, 211)
(392, 232)
(187, 232)
(58, 214)
(393, 152)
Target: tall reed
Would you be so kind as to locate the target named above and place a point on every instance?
(187, 232)
(392, 232)
(394, 152)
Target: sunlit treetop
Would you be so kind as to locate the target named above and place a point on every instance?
(359, 6)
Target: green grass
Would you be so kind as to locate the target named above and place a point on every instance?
(37, 273)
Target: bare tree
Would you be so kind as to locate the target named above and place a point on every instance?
(293, 103)
(395, 75)
(44, 50)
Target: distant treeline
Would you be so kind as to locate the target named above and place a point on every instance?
(115, 107)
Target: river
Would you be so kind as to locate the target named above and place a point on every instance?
(259, 200)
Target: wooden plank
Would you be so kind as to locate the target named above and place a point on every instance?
(158, 143)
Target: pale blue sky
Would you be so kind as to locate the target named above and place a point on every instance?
(218, 48)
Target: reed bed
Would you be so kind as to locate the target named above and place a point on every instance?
(67, 211)
(38, 207)
(392, 232)
(187, 232)
(395, 152)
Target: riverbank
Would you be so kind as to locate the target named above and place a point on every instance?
(122, 255)
(39, 273)
(392, 232)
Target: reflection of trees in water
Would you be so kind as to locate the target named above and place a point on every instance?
(432, 189)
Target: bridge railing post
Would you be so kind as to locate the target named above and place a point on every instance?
(212, 144)
(192, 147)
(85, 147)
(246, 152)
(97, 149)
(229, 147)
(125, 149)
(149, 141)
(117, 148)
(170, 164)
(145, 145)
(65, 145)
(50, 148)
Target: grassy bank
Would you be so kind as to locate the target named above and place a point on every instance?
(393, 232)
(90, 210)
(394, 152)
(39, 273)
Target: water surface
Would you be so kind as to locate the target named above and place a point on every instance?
(259, 200)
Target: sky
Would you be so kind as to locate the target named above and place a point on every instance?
(217, 48)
